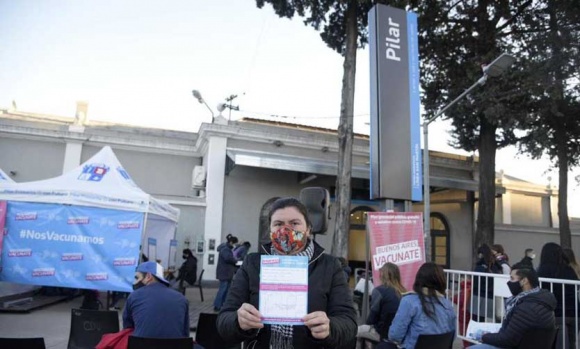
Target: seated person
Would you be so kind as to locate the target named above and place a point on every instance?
(187, 271)
(153, 309)
(424, 311)
(385, 302)
(530, 308)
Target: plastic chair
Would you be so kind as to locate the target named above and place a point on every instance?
(198, 284)
(435, 341)
(539, 338)
(206, 334)
(88, 326)
(22, 343)
(160, 343)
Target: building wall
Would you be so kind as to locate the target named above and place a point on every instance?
(527, 210)
(156, 174)
(246, 191)
(190, 229)
(460, 226)
(32, 160)
(515, 239)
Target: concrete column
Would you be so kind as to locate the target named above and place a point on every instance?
(506, 208)
(215, 164)
(554, 211)
(72, 156)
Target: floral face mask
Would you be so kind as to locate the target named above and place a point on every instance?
(287, 240)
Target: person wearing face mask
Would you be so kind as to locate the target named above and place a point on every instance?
(331, 319)
(226, 268)
(154, 310)
(187, 271)
(531, 307)
(528, 258)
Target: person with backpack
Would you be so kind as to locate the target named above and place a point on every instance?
(188, 270)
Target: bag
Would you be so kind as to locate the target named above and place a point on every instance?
(368, 332)
(118, 340)
(360, 286)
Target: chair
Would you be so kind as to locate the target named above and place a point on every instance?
(539, 338)
(160, 343)
(435, 341)
(206, 334)
(88, 326)
(198, 284)
(22, 343)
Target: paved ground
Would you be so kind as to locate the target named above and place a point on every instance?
(53, 322)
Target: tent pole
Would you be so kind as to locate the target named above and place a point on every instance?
(143, 234)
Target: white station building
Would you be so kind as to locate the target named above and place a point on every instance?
(222, 176)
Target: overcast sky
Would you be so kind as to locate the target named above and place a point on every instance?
(136, 62)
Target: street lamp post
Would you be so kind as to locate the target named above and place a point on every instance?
(200, 99)
(494, 69)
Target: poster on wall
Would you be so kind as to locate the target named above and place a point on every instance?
(172, 253)
(152, 249)
(71, 246)
(396, 237)
(200, 246)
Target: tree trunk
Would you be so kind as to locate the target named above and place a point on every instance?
(486, 209)
(560, 132)
(345, 137)
(565, 235)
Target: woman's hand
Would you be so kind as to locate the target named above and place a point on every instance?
(249, 317)
(318, 324)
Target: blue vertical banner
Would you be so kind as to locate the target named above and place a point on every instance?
(71, 246)
(152, 249)
(172, 254)
(395, 137)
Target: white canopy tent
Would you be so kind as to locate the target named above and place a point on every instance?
(4, 177)
(102, 182)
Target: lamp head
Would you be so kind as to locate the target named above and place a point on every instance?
(221, 107)
(197, 95)
(499, 65)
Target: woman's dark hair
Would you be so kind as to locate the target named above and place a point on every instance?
(499, 248)
(487, 255)
(569, 256)
(552, 255)
(187, 252)
(430, 280)
(289, 202)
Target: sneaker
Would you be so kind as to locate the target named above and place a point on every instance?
(217, 310)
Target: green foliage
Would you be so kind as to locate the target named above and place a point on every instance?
(551, 44)
(328, 16)
(456, 39)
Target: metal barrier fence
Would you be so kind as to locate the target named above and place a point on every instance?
(480, 297)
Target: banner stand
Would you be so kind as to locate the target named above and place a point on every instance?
(393, 237)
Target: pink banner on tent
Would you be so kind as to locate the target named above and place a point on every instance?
(3, 208)
(396, 237)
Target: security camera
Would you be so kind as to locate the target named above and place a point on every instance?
(221, 107)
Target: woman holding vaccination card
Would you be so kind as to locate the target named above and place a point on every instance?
(330, 321)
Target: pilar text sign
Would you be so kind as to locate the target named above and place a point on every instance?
(395, 140)
(396, 237)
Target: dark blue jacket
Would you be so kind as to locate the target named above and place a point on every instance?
(384, 306)
(226, 266)
(157, 311)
